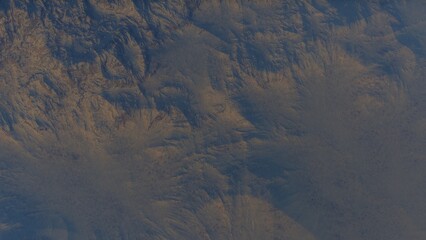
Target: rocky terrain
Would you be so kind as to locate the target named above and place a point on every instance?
(212, 119)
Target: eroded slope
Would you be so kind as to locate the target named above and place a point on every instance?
(212, 119)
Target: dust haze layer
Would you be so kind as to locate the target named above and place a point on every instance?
(221, 119)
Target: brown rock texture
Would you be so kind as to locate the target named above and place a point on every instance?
(212, 119)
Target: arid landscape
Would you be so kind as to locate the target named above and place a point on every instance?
(212, 119)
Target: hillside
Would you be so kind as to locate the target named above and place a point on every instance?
(212, 119)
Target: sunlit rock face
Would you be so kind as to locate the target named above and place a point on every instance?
(212, 119)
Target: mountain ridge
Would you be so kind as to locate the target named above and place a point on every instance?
(212, 119)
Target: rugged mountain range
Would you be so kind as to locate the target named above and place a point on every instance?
(212, 119)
